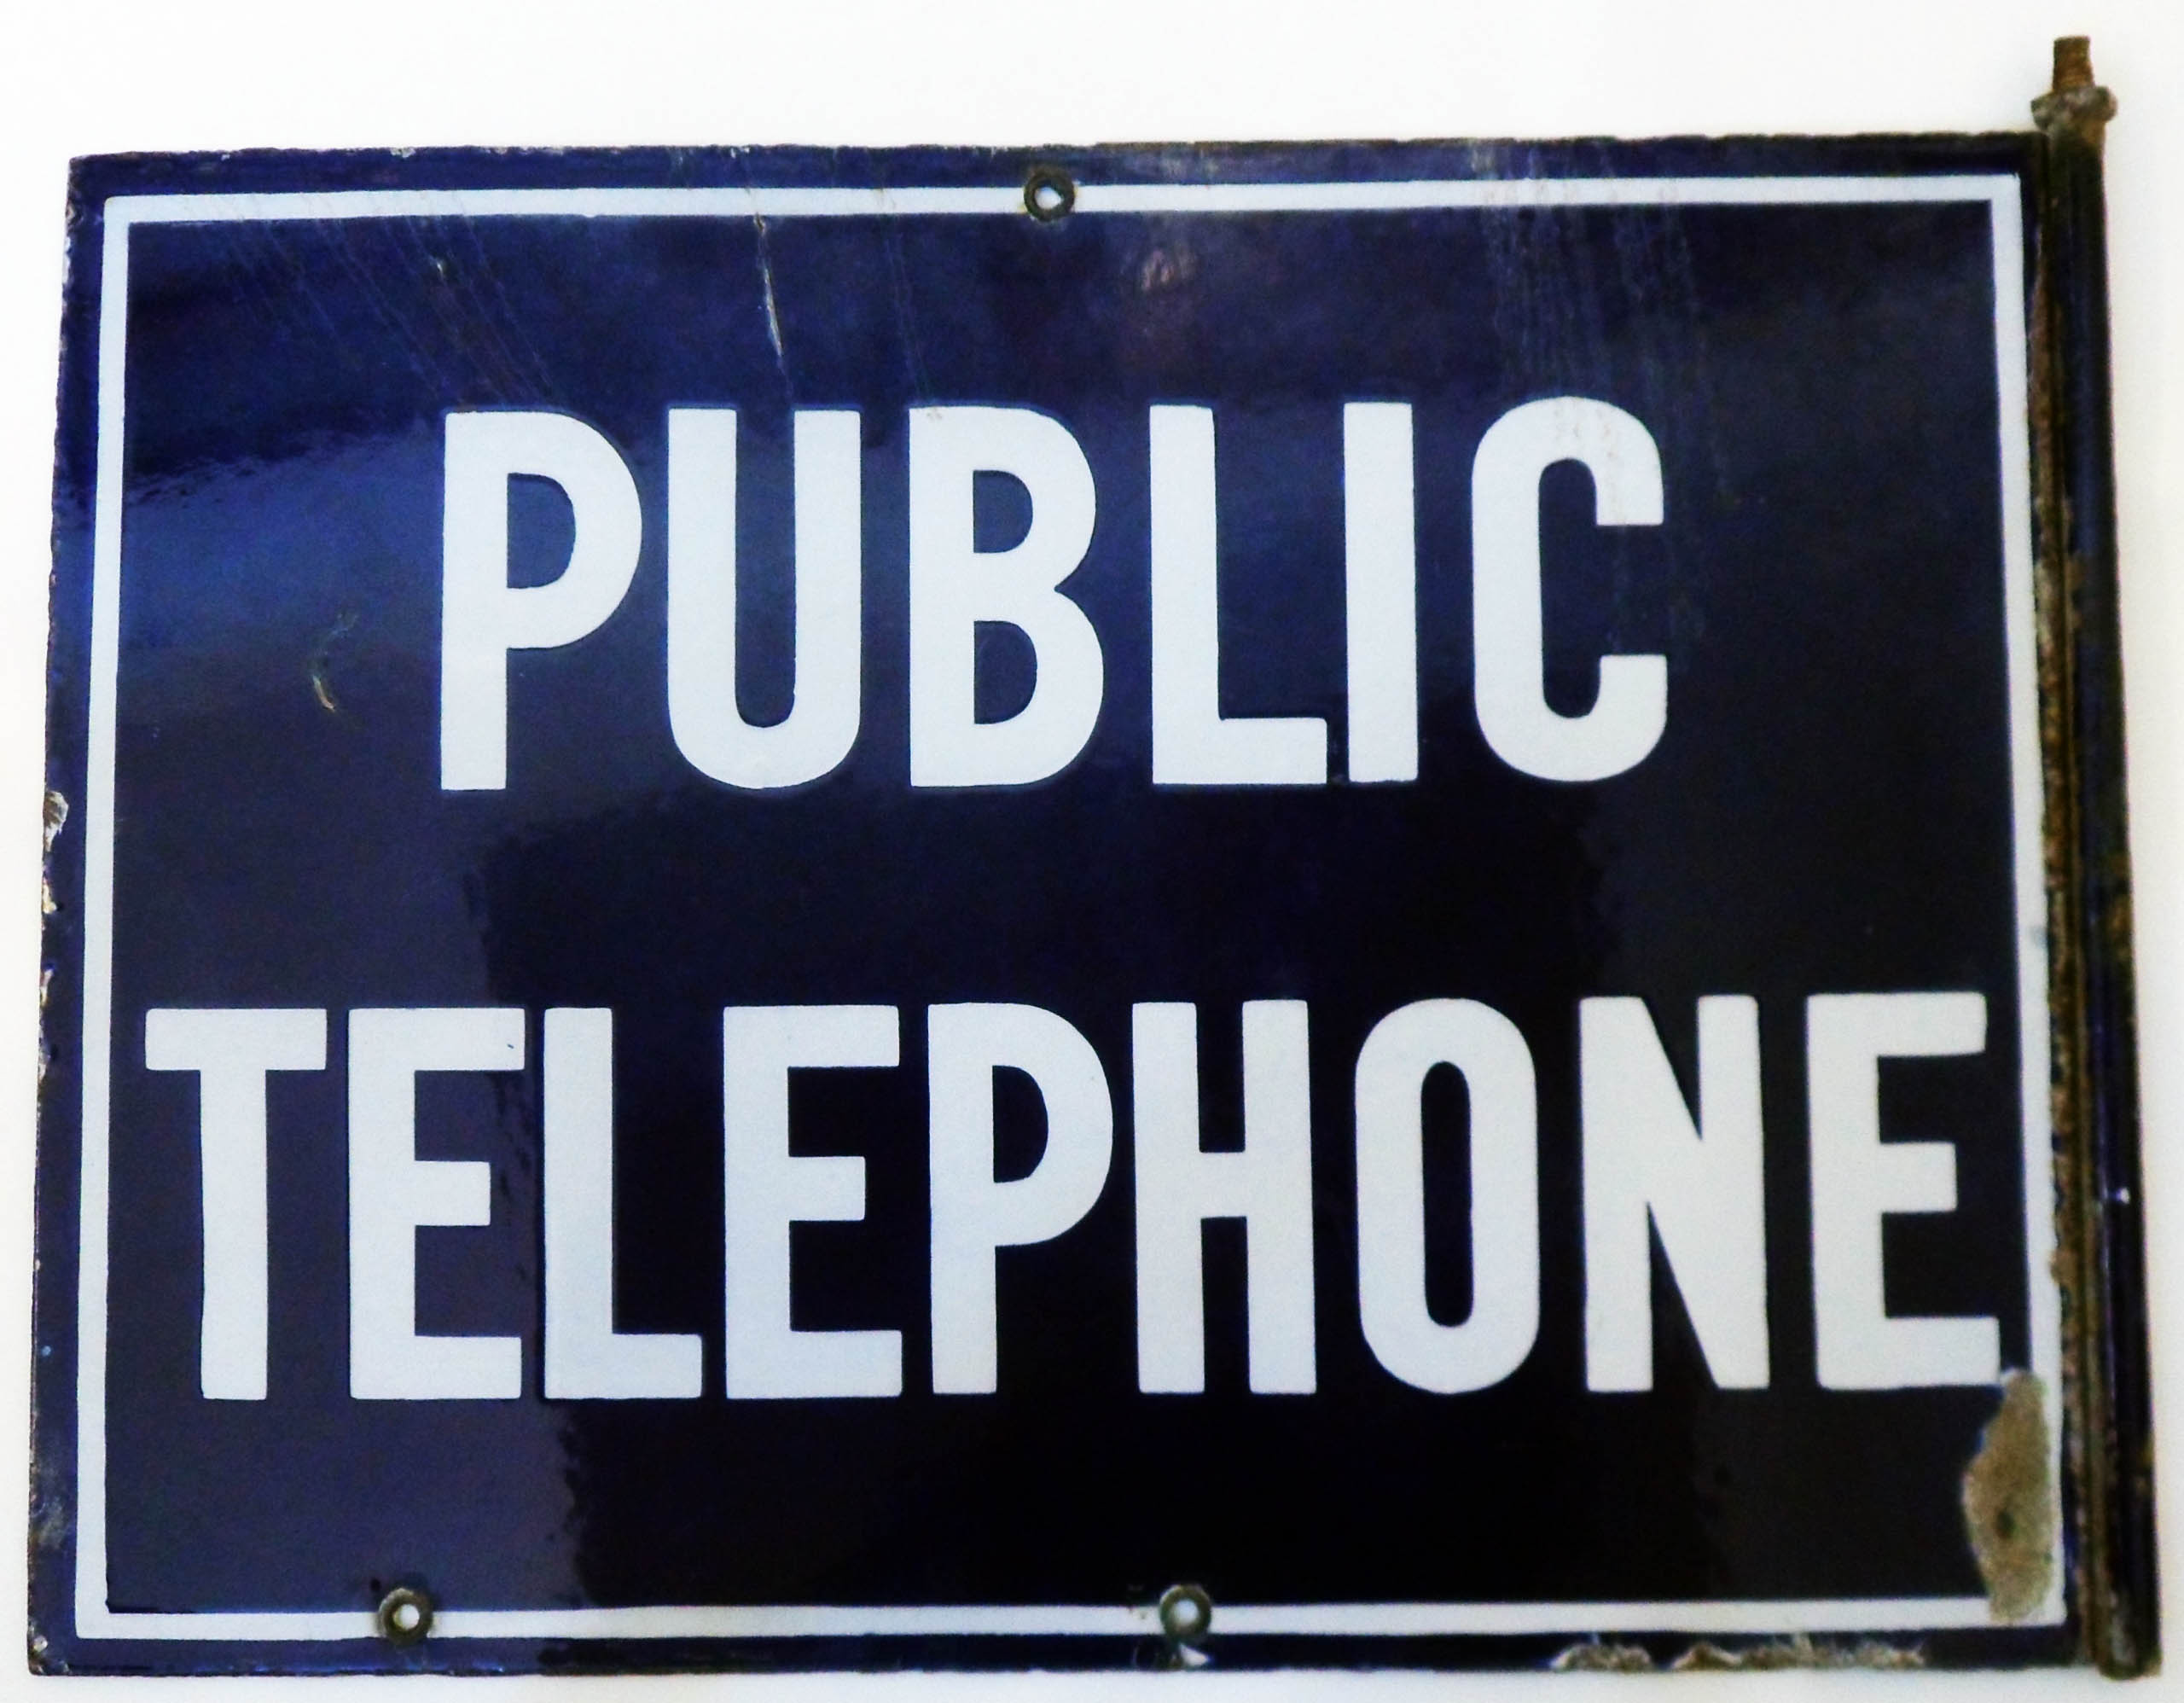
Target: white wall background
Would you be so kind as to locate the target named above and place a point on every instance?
(96, 76)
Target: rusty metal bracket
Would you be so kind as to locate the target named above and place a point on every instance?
(2101, 1258)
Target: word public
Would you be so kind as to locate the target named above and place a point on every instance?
(955, 588)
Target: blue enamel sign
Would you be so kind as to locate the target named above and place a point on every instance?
(1272, 906)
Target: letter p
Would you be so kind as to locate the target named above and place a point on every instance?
(482, 618)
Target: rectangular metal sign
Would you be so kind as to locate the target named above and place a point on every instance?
(1276, 906)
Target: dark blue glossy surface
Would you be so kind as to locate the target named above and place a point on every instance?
(1828, 811)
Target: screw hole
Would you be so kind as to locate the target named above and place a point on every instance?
(405, 1616)
(1186, 1613)
(1048, 193)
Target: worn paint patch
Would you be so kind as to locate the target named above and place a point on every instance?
(2009, 1502)
(44, 992)
(51, 1515)
(1800, 1652)
(1594, 1657)
(56, 818)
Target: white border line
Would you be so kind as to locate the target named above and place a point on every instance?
(91, 1206)
(2028, 801)
(2001, 192)
(1333, 1620)
(1091, 198)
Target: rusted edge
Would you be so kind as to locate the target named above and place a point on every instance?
(50, 1504)
(2075, 106)
(2058, 813)
(2107, 1497)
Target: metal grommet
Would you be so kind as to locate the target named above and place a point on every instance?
(1049, 193)
(1186, 1613)
(404, 1616)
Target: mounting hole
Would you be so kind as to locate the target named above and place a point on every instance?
(1185, 1613)
(1048, 193)
(405, 1616)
